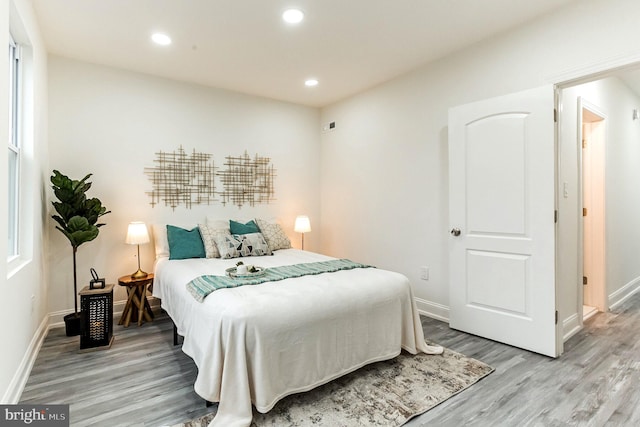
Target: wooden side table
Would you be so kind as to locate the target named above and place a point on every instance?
(137, 304)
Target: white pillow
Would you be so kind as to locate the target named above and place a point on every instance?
(217, 223)
(273, 234)
(160, 240)
(209, 234)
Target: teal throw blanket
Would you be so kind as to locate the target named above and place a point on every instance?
(202, 286)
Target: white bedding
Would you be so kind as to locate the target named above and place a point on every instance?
(257, 344)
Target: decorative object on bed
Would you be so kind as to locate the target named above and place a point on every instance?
(137, 234)
(383, 394)
(77, 218)
(238, 245)
(202, 286)
(245, 271)
(274, 235)
(184, 244)
(209, 234)
(247, 180)
(236, 227)
(181, 179)
(302, 225)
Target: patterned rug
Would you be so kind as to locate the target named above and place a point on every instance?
(387, 393)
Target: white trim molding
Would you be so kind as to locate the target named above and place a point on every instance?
(570, 326)
(624, 293)
(595, 69)
(432, 309)
(19, 380)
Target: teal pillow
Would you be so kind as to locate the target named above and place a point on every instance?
(184, 244)
(240, 228)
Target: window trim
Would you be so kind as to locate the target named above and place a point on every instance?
(14, 145)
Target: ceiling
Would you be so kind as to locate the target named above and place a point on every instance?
(244, 46)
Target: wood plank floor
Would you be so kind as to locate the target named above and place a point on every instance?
(143, 380)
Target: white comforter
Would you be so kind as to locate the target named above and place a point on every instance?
(257, 344)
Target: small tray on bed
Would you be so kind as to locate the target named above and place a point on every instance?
(233, 272)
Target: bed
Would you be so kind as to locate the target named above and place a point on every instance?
(254, 345)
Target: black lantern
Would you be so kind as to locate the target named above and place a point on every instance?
(97, 317)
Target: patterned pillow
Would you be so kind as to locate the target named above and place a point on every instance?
(274, 235)
(208, 238)
(238, 245)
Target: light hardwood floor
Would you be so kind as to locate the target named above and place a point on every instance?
(143, 380)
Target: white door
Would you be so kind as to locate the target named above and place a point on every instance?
(502, 218)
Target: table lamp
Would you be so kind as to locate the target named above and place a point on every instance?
(302, 225)
(137, 234)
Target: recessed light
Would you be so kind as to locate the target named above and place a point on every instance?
(293, 16)
(161, 39)
(311, 82)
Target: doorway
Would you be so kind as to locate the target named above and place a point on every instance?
(592, 134)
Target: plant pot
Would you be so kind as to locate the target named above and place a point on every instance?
(73, 324)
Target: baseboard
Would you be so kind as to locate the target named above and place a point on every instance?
(56, 319)
(53, 320)
(624, 293)
(570, 327)
(432, 309)
(19, 380)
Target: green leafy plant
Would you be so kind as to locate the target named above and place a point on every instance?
(77, 216)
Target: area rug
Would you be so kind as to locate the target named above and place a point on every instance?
(387, 393)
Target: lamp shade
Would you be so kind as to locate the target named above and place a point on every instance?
(137, 234)
(302, 224)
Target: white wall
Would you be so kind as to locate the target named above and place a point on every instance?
(622, 197)
(110, 123)
(23, 289)
(388, 153)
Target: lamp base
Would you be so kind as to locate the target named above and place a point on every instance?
(139, 274)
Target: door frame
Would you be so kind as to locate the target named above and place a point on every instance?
(589, 72)
(601, 295)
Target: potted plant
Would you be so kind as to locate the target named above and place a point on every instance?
(77, 218)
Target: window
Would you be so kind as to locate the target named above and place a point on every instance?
(14, 147)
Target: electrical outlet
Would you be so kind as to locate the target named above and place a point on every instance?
(424, 273)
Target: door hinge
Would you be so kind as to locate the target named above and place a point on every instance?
(555, 216)
(584, 211)
(556, 317)
(584, 280)
(555, 115)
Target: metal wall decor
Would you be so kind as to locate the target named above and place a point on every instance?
(181, 179)
(247, 180)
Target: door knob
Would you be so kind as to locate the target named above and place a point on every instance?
(455, 231)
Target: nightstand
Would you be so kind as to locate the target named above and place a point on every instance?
(137, 304)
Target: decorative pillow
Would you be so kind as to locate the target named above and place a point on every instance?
(218, 223)
(208, 234)
(274, 235)
(239, 228)
(160, 240)
(238, 245)
(185, 244)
